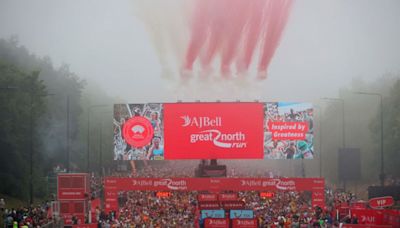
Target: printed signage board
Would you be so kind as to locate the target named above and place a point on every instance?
(213, 130)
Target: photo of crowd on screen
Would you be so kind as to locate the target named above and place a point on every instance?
(288, 112)
(155, 149)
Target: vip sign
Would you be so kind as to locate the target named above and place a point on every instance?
(213, 130)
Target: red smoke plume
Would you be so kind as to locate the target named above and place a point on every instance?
(233, 30)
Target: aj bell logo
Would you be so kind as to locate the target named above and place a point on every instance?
(201, 121)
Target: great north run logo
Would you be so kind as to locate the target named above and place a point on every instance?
(222, 140)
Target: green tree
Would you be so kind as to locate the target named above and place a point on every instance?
(17, 106)
(391, 129)
(50, 120)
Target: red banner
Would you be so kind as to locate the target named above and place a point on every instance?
(96, 203)
(71, 194)
(244, 223)
(73, 186)
(111, 198)
(267, 194)
(359, 204)
(228, 197)
(381, 202)
(163, 194)
(68, 218)
(368, 216)
(228, 205)
(215, 184)
(114, 184)
(92, 225)
(366, 226)
(392, 217)
(207, 197)
(209, 205)
(216, 223)
(214, 130)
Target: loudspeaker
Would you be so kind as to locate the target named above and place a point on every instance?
(349, 164)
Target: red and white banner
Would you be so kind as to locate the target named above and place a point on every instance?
(359, 204)
(381, 202)
(244, 223)
(114, 184)
(228, 205)
(216, 223)
(73, 191)
(214, 130)
(214, 184)
(228, 197)
(209, 205)
(207, 197)
(368, 216)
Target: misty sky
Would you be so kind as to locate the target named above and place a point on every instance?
(325, 45)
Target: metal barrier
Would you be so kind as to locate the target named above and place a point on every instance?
(56, 223)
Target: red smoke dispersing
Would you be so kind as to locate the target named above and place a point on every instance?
(233, 30)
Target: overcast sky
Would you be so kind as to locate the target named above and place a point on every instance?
(325, 45)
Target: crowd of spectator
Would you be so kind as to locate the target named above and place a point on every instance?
(25, 217)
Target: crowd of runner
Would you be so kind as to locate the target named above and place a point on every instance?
(284, 209)
(181, 209)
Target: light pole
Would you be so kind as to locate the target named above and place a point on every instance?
(343, 125)
(382, 174)
(101, 145)
(320, 138)
(31, 149)
(88, 133)
(67, 142)
(31, 144)
(101, 148)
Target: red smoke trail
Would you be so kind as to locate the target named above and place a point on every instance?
(233, 29)
(277, 16)
(237, 18)
(250, 39)
(198, 32)
(217, 23)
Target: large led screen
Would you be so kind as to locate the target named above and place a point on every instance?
(219, 130)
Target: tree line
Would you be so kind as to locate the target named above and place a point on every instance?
(38, 103)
